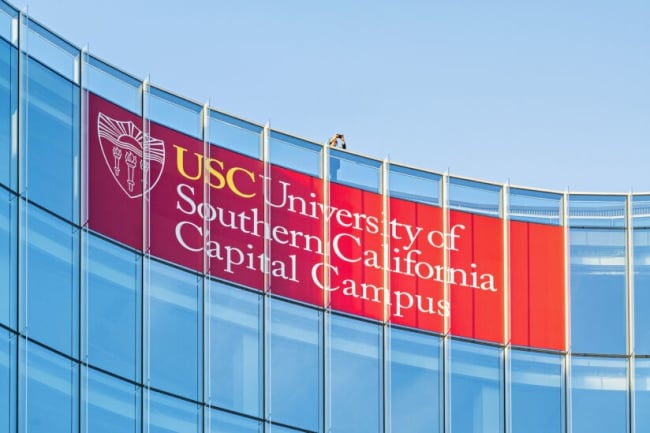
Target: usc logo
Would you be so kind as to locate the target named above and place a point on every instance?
(217, 175)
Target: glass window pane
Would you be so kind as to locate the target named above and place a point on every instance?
(476, 388)
(294, 153)
(8, 258)
(598, 293)
(536, 392)
(50, 49)
(8, 395)
(224, 422)
(535, 206)
(415, 185)
(235, 349)
(7, 16)
(475, 197)
(235, 134)
(50, 391)
(641, 283)
(50, 276)
(598, 395)
(295, 371)
(110, 405)
(641, 394)
(113, 84)
(415, 385)
(172, 415)
(175, 330)
(355, 376)
(8, 113)
(356, 171)
(596, 210)
(113, 304)
(52, 134)
(175, 112)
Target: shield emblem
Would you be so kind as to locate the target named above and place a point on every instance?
(130, 155)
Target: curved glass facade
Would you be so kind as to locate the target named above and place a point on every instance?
(166, 267)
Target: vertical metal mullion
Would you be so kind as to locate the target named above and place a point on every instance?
(206, 311)
(446, 350)
(20, 143)
(385, 325)
(266, 313)
(567, 310)
(325, 162)
(83, 361)
(144, 310)
(631, 349)
(505, 215)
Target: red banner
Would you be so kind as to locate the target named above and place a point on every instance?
(216, 211)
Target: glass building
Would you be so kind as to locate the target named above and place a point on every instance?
(167, 267)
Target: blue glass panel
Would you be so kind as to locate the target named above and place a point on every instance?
(174, 330)
(113, 307)
(50, 392)
(8, 395)
(641, 211)
(8, 259)
(536, 402)
(356, 171)
(295, 371)
(110, 405)
(355, 376)
(535, 206)
(294, 153)
(598, 293)
(113, 84)
(235, 134)
(7, 15)
(52, 134)
(415, 382)
(50, 278)
(8, 113)
(224, 422)
(172, 415)
(599, 395)
(641, 283)
(50, 49)
(235, 349)
(641, 395)
(414, 185)
(596, 210)
(175, 112)
(476, 388)
(475, 197)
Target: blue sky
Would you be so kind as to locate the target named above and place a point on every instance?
(550, 94)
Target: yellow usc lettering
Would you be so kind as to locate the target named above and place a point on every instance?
(217, 176)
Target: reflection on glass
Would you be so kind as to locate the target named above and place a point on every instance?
(356, 171)
(50, 278)
(50, 49)
(536, 393)
(8, 259)
(355, 376)
(235, 349)
(224, 422)
(8, 107)
(174, 330)
(113, 84)
(111, 405)
(534, 206)
(476, 197)
(172, 415)
(598, 293)
(52, 141)
(414, 185)
(113, 307)
(415, 385)
(641, 395)
(295, 370)
(641, 283)
(294, 153)
(175, 112)
(476, 388)
(598, 395)
(235, 134)
(8, 396)
(50, 392)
